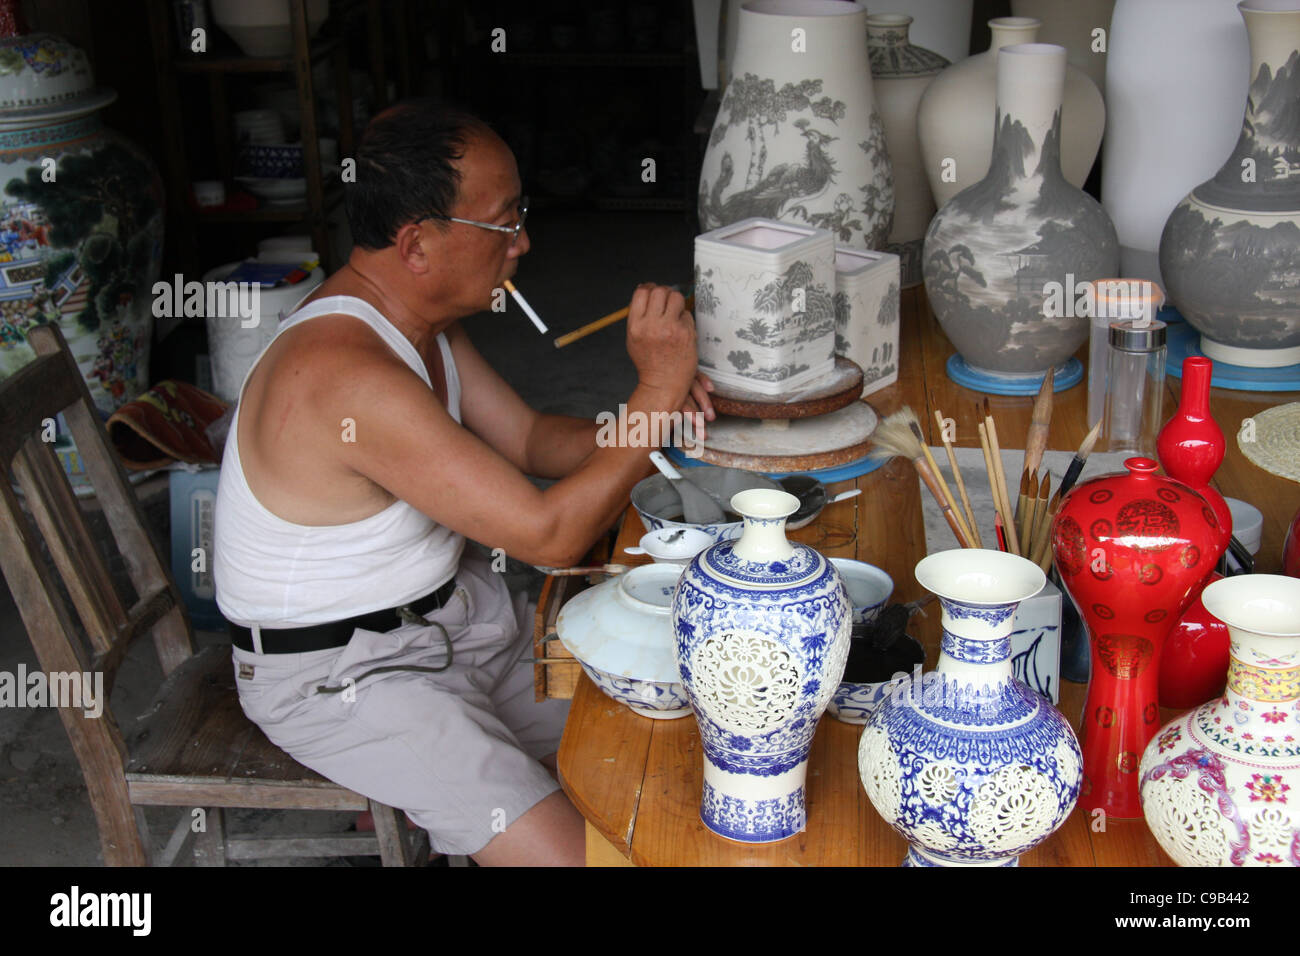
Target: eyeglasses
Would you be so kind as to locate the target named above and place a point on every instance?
(513, 231)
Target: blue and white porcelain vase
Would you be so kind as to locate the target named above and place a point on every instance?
(972, 767)
(762, 636)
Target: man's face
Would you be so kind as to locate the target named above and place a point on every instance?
(480, 260)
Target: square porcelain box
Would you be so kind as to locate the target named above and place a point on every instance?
(764, 305)
(1036, 642)
(866, 313)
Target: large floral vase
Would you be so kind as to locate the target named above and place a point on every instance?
(1230, 251)
(969, 765)
(994, 252)
(798, 136)
(762, 637)
(1221, 784)
(81, 223)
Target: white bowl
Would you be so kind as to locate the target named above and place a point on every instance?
(869, 588)
(261, 27)
(654, 497)
(621, 632)
(668, 546)
(1247, 523)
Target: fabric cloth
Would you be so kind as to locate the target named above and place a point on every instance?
(165, 425)
(457, 750)
(275, 573)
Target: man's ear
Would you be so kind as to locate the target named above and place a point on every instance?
(413, 248)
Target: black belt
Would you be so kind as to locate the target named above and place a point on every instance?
(319, 637)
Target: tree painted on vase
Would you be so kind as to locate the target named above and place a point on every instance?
(878, 195)
(762, 109)
(843, 309)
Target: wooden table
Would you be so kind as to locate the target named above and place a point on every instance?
(638, 781)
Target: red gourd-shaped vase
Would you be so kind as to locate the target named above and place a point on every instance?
(1191, 448)
(1191, 445)
(1133, 551)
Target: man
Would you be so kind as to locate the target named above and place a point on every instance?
(371, 438)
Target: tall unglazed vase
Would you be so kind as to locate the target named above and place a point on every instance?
(1220, 783)
(1074, 24)
(1175, 76)
(1132, 551)
(81, 221)
(996, 249)
(900, 72)
(955, 119)
(969, 765)
(762, 636)
(798, 136)
(1230, 252)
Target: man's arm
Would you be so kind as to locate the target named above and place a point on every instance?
(545, 446)
(405, 442)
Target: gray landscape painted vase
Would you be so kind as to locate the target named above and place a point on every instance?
(1230, 252)
(995, 251)
(798, 137)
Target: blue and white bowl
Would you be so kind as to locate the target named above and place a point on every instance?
(869, 588)
(621, 633)
(660, 506)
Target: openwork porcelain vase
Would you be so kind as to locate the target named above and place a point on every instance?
(996, 250)
(798, 136)
(1132, 551)
(1220, 783)
(971, 767)
(1230, 252)
(762, 636)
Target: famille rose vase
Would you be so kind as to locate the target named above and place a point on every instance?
(1221, 784)
(1132, 551)
(762, 636)
(968, 764)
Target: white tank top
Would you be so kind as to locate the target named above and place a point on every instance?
(275, 573)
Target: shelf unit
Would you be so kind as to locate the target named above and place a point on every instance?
(170, 63)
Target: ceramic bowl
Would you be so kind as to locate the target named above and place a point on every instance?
(261, 28)
(660, 506)
(272, 160)
(621, 633)
(1247, 523)
(668, 546)
(869, 588)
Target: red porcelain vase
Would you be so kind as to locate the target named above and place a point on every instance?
(1133, 551)
(1194, 665)
(1191, 445)
(1291, 550)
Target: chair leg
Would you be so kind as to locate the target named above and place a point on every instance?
(210, 842)
(396, 846)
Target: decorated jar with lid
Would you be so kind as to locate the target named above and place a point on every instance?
(1132, 551)
(762, 630)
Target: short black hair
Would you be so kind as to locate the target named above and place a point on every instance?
(406, 168)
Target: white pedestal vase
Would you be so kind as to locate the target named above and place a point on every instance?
(762, 636)
(1230, 252)
(955, 120)
(798, 137)
(764, 305)
(1219, 784)
(971, 767)
(993, 252)
(1176, 76)
(866, 314)
(901, 72)
(1073, 24)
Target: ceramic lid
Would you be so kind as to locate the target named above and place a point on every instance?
(721, 561)
(45, 77)
(624, 626)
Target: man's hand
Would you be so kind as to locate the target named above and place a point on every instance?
(698, 401)
(661, 343)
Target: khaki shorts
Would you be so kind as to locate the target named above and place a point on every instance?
(457, 750)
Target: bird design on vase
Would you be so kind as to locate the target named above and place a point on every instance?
(792, 185)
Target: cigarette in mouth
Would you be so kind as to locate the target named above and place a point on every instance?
(528, 309)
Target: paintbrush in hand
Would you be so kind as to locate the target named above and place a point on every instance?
(894, 438)
(1080, 458)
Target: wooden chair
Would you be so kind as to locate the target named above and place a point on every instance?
(194, 747)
